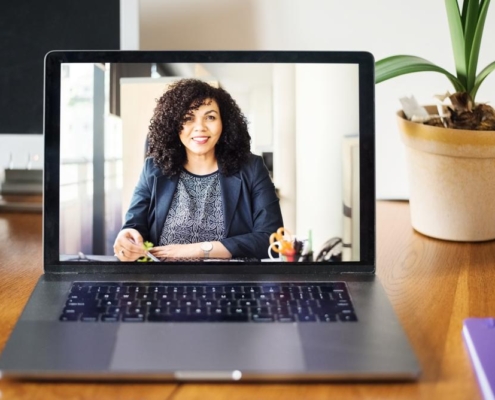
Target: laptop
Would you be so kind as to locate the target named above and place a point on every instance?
(318, 313)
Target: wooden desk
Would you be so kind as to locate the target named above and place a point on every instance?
(433, 286)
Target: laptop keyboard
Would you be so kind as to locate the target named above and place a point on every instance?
(179, 302)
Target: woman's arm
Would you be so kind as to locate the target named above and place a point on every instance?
(265, 214)
(137, 213)
(128, 245)
(190, 251)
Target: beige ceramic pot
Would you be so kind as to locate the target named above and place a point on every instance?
(451, 179)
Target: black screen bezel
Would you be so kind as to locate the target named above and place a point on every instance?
(51, 206)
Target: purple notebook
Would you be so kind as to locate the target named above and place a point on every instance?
(479, 336)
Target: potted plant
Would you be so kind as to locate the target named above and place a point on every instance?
(451, 156)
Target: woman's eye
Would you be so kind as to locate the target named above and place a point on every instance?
(211, 117)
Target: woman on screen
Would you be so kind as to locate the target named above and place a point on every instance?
(201, 194)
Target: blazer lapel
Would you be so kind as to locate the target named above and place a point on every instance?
(231, 189)
(164, 193)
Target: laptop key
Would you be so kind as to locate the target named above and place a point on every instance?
(188, 303)
(193, 289)
(169, 303)
(137, 289)
(218, 311)
(348, 317)
(158, 310)
(78, 303)
(262, 318)
(109, 303)
(214, 289)
(227, 303)
(144, 296)
(110, 317)
(282, 296)
(164, 296)
(334, 286)
(326, 317)
(133, 318)
(98, 289)
(252, 289)
(105, 296)
(248, 303)
(76, 296)
(272, 289)
(128, 303)
(309, 303)
(125, 296)
(303, 296)
(198, 311)
(149, 303)
(285, 318)
(69, 317)
(207, 303)
(259, 310)
(238, 311)
(134, 310)
(186, 296)
(156, 289)
(86, 317)
(306, 318)
(230, 318)
(242, 296)
(299, 310)
(323, 296)
(178, 310)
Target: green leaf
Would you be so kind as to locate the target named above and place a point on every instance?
(476, 44)
(457, 37)
(464, 14)
(472, 14)
(480, 78)
(394, 66)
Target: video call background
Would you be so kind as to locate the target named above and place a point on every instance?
(303, 117)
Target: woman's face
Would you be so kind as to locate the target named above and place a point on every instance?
(202, 129)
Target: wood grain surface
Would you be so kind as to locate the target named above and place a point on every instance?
(433, 285)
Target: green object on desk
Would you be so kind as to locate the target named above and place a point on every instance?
(147, 246)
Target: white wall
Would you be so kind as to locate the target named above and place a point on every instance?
(323, 117)
(383, 27)
(21, 146)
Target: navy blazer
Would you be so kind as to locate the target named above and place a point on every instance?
(251, 207)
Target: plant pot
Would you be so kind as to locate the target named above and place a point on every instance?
(451, 179)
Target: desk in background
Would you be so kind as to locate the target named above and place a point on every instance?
(433, 285)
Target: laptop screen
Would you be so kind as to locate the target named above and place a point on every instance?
(193, 162)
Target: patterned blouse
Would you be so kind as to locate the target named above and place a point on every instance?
(196, 212)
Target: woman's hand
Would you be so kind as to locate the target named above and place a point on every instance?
(178, 251)
(192, 250)
(128, 245)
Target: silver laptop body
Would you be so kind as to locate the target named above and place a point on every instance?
(320, 102)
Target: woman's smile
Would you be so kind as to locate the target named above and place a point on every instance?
(200, 139)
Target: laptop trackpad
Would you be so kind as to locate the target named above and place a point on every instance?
(207, 347)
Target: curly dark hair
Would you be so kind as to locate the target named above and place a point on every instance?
(164, 145)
